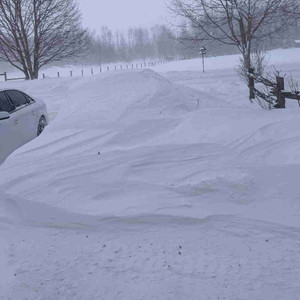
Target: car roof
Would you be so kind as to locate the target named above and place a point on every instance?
(5, 90)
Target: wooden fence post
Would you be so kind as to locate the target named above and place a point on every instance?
(58, 75)
(100, 70)
(280, 88)
(5, 76)
(251, 84)
(82, 73)
(92, 71)
(132, 66)
(121, 67)
(71, 73)
(115, 67)
(44, 76)
(107, 69)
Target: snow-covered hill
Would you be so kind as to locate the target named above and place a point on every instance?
(154, 184)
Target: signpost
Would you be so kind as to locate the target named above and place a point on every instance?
(203, 52)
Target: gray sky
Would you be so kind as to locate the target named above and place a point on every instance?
(121, 14)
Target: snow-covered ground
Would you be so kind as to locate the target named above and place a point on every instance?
(154, 184)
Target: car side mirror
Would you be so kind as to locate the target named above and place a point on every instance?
(4, 115)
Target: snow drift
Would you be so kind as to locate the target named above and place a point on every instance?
(151, 187)
(132, 143)
(81, 163)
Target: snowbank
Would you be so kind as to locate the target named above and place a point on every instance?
(132, 143)
(153, 187)
(100, 119)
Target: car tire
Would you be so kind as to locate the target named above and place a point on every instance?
(41, 126)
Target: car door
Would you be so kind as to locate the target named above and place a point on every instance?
(11, 136)
(26, 113)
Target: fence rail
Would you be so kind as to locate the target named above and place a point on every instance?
(276, 90)
(11, 79)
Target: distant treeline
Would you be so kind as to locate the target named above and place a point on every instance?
(135, 44)
(163, 42)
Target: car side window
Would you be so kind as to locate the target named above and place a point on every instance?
(29, 99)
(17, 98)
(5, 104)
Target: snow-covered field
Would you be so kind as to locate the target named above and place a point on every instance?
(154, 184)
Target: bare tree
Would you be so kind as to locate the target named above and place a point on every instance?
(240, 23)
(34, 33)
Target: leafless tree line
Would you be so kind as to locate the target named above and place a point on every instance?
(133, 44)
(34, 33)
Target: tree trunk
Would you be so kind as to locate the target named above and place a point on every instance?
(35, 74)
(247, 59)
(25, 71)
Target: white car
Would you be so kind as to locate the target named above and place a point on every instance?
(21, 120)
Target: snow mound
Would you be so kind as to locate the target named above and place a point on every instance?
(154, 188)
(10, 212)
(134, 143)
(81, 162)
(114, 110)
(108, 98)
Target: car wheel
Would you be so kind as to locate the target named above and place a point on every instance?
(41, 126)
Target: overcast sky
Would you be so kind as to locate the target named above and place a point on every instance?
(121, 14)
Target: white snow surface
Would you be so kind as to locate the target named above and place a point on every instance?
(154, 184)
